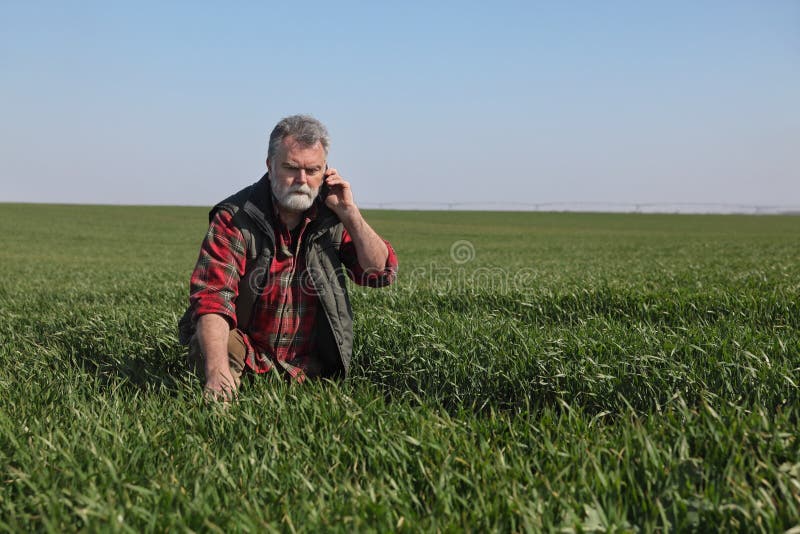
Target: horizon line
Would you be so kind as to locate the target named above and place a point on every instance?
(721, 208)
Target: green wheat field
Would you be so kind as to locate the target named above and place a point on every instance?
(527, 372)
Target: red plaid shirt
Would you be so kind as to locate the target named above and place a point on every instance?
(281, 330)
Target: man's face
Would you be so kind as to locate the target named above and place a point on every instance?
(296, 174)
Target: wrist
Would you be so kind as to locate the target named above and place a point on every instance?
(350, 217)
(221, 370)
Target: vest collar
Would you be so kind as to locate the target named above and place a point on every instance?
(259, 207)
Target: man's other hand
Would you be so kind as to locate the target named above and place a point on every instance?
(220, 386)
(212, 333)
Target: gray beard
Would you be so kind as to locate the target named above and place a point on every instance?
(294, 197)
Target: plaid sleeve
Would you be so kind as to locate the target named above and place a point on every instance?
(372, 278)
(214, 284)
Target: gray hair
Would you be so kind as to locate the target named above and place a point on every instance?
(307, 130)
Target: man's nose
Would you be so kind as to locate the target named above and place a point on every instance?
(302, 176)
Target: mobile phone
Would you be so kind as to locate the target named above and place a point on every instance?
(324, 189)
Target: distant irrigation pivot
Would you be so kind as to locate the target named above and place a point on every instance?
(592, 206)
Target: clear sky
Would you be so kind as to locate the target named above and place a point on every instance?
(614, 101)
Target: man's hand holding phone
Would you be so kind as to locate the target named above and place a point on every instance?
(371, 250)
(337, 194)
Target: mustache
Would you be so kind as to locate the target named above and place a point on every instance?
(300, 188)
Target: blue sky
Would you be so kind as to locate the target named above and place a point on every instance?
(172, 102)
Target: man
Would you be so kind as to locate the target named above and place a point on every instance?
(268, 292)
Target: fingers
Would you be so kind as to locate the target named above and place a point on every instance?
(337, 181)
(332, 178)
(222, 389)
(223, 394)
(218, 398)
(341, 197)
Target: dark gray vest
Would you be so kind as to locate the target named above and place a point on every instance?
(254, 215)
